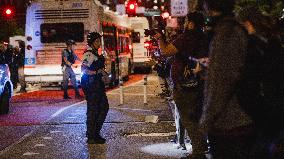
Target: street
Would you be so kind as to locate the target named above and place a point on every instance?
(57, 130)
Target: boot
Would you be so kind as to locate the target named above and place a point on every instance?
(77, 95)
(96, 140)
(22, 90)
(100, 140)
(65, 96)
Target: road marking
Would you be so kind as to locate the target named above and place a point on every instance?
(65, 108)
(59, 126)
(40, 145)
(132, 109)
(56, 131)
(71, 117)
(30, 154)
(151, 119)
(151, 134)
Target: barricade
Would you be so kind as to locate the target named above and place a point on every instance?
(121, 92)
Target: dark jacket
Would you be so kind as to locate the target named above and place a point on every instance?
(192, 43)
(227, 52)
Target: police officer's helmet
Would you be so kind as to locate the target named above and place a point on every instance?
(92, 36)
(70, 42)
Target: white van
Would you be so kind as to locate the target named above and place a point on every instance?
(141, 56)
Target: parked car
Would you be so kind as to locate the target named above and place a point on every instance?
(6, 87)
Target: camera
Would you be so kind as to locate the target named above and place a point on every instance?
(149, 32)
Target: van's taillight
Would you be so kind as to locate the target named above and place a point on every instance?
(29, 47)
(130, 46)
(29, 38)
(147, 44)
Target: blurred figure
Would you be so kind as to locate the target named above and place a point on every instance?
(9, 53)
(13, 65)
(230, 130)
(260, 92)
(68, 59)
(19, 62)
(2, 53)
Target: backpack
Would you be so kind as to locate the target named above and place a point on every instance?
(260, 89)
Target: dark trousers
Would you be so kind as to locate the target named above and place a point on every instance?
(97, 104)
(22, 77)
(189, 106)
(69, 73)
(269, 145)
(236, 144)
(180, 130)
(14, 75)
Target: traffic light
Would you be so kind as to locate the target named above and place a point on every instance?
(131, 7)
(8, 12)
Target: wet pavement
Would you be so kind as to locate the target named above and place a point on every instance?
(128, 135)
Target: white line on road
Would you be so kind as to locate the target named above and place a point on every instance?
(47, 138)
(56, 131)
(63, 109)
(30, 154)
(132, 109)
(151, 134)
(59, 126)
(40, 145)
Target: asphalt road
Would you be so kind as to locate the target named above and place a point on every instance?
(60, 133)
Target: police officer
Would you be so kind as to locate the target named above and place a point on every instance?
(94, 89)
(68, 59)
